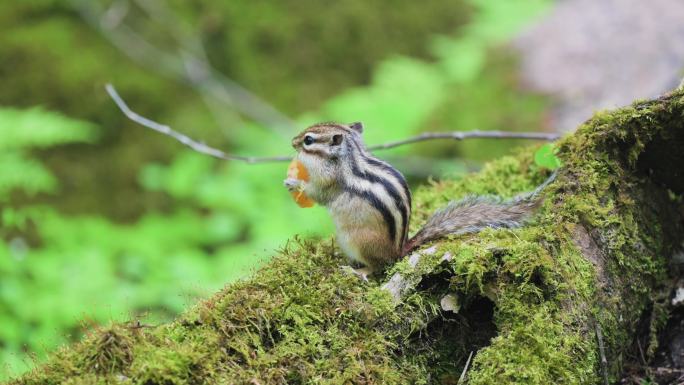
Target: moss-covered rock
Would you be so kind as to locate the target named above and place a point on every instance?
(529, 300)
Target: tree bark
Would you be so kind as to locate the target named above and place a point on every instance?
(530, 302)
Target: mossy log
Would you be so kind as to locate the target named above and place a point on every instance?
(527, 301)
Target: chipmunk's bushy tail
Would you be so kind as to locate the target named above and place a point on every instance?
(475, 213)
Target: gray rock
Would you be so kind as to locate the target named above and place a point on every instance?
(593, 55)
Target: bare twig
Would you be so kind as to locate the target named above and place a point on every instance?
(207, 150)
(602, 352)
(465, 369)
(197, 146)
(641, 353)
(189, 64)
(137, 325)
(461, 135)
(115, 14)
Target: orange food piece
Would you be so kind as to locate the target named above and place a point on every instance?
(296, 170)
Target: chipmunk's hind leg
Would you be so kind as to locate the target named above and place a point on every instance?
(361, 272)
(369, 246)
(375, 256)
(369, 265)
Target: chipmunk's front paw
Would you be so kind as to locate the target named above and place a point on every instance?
(362, 273)
(293, 185)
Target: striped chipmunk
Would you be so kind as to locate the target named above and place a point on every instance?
(370, 202)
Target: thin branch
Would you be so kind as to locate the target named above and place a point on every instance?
(461, 135)
(641, 353)
(115, 14)
(191, 65)
(204, 149)
(206, 80)
(602, 352)
(465, 369)
(186, 140)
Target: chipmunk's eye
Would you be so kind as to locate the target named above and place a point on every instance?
(308, 140)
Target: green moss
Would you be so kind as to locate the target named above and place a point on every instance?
(543, 287)
(659, 317)
(301, 320)
(539, 350)
(528, 273)
(172, 363)
(108, 351)
(614, 197)
(91, 379)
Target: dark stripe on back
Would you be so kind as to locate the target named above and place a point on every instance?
(388, 168)
(402, 182)
(378, 205)
(392, 171)
(389, 188)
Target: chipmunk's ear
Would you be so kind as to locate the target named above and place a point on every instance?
(336, 140)
(356, 126)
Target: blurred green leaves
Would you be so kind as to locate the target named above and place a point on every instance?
(38, 128)
(546, 157)
(18, 171)
(403, 93)
(461, 59)
(470, 84)
(34, 128)
(229, 217)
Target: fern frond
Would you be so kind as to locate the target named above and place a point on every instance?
(38, 128)
(18, 172)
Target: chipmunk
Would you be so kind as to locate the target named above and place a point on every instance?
(370, 202)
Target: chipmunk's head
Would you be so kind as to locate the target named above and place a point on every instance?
(326, 140)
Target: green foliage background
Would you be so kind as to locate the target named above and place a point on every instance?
(104, 220)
